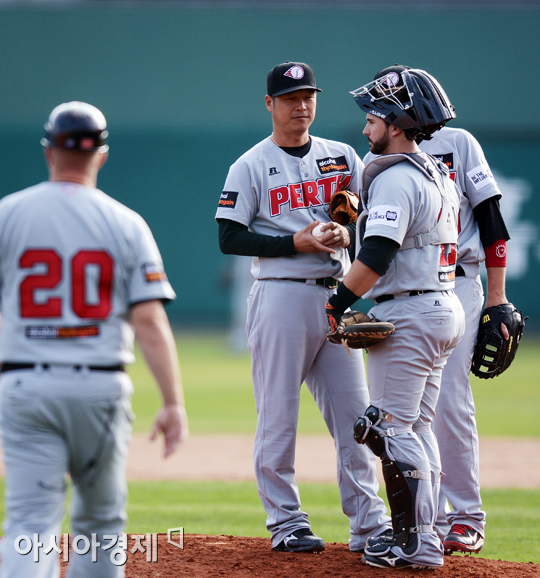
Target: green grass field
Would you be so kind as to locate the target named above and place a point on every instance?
(219, 399)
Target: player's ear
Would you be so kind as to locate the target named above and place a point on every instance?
(47, 151)
(268, 100)
(103, 159)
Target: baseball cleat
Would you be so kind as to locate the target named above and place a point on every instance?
(462, 538)
(302, 540)
(391, 560)
(384, 537)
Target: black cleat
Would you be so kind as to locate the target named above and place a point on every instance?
(302, 540)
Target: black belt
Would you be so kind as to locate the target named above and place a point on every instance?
(9, 366)
(459, 271)
(328, 282)
(383, 298)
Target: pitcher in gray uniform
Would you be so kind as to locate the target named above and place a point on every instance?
(407, 247)
(274, 196)
(482, 238)
(80, 277)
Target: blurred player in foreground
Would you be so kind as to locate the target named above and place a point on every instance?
(80, 277)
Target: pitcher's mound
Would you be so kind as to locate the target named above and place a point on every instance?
(205, 556)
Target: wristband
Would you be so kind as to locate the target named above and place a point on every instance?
(343, 298)
(496, 254)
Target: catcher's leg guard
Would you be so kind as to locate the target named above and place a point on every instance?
(401, 479)
(365, 431)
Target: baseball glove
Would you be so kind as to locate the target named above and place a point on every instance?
(357, 331)
(344, 207)
(493, 354)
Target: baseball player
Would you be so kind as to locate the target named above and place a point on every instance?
(406, 264)
(80, 276)
(274, 196)
(482, 236)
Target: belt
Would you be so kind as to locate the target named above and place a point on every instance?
(328, 282)
(9, 366)
(383, 298)
(459, 271)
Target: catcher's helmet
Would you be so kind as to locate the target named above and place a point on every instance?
(408, 98)
(76, 126)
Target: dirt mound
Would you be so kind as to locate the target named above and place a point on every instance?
(205, 556)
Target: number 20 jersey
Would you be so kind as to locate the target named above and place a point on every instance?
(72, 262)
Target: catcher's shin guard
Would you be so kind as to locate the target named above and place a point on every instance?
(402, 480)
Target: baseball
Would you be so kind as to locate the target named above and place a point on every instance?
(317, 233)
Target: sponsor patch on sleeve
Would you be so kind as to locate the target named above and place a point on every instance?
(387, 215)
(481, 176)
(332, 165)
(153, 272)
(228, 199)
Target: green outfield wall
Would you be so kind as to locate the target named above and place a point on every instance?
(183, 90)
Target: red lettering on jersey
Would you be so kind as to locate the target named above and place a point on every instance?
(278, 197)
(311, 194)
(452, 175)
(306, 194)
(51, 307)
(343, 182)
(79, 264)
(328, 187)
(295, 192)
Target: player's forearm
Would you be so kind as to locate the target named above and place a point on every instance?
(495, 286)
(156, 340)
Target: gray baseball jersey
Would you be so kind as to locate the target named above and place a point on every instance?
(73, 276)
(465, 159)
(403, 203)
(274, 193)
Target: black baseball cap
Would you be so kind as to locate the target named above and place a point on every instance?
(290, 76)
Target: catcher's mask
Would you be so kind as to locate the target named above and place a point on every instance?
(76, 126)
(410, 99)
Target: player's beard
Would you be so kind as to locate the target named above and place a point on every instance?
(378, 147)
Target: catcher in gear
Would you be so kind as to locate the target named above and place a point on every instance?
(499, 334)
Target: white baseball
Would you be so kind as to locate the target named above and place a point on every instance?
(317, 233)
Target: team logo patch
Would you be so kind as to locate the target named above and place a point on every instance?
(153, 272)
(481, 176)
(52, 332)
(446, 159)
(273, 171)
(296, 72)
(500, 251)
(332, 165)
(391, 79)
(387, 215)
(228, 199)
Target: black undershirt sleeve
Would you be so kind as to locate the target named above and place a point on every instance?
(377, 253)
(490, 222)
(237, 239)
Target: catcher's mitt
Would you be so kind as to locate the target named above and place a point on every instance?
(344, 207)
(357, 331)
(493, 354)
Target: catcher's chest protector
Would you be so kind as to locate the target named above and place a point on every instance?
(445, 230)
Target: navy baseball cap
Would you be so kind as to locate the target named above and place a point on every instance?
(290, 76)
